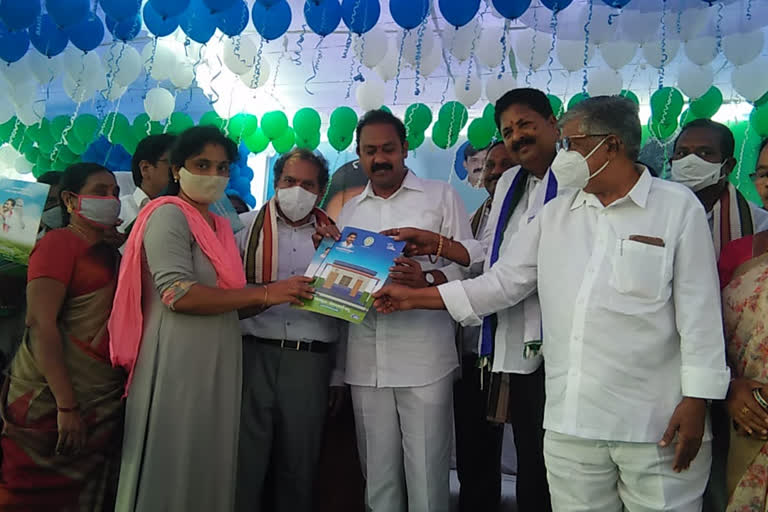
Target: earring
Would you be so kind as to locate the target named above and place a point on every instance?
(69, 209)
(175, 179)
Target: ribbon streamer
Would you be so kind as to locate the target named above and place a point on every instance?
(300, 45)
(315, 65)
(584, 78)
(553, 26)
(503, 41)
(399, 65)
(664, 55)
(419, 43)
(529, 74)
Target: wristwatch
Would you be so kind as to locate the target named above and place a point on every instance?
(429, 277)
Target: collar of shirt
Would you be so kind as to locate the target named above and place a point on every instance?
(638, 194)
(411, 182)
(140, 197)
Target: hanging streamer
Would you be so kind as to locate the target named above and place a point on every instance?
(315, 65)
(664, 55)
(584, 79)
(533, 48)
(448, 62)
(553, 26)
(749, 18)
(719, 27)
(399, 65)
(352, 18)
(300, 45)
(743, 147)
(352, 78)
(503, 41)
(419, 43)
(277, 66)
(257, 72)
(150, 66)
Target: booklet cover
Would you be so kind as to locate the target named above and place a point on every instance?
(349, 271)
(21, 206)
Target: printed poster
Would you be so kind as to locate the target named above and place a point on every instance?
(21, 206)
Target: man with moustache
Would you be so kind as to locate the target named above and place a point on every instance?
(511, 338)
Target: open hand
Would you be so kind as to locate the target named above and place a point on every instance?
(688, 423)
(408, 272)
(391, 298)
(744, 409)
(290, 290)
(327, 231)
(72, 433)
(419, 242)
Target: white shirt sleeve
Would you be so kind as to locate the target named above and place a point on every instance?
(511, 279)
(696, 294)
(456, 226)
(760, 216)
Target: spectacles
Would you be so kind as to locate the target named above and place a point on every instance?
(565, 142)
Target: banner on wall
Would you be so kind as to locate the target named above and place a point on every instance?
(348, 181)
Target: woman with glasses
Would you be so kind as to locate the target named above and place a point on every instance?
(175, 329)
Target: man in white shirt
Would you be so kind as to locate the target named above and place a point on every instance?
(288, 354)
(401, 367)
(630, 305)
(151, 171)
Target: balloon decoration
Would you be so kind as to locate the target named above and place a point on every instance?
(459, 14)
(13, 45)
(409, 14)
(198, 22)
(285, 142)
(19, 14)
(240, 176)
(45, 35)
(417, 118)
(322, 17)
(708, 104)
(125, 29)
(758, 119)
(556, 104)
(342, 128)
(480, 132)
(271, 21)
(306, 125)
(360, 15)
(67, 12)
(156, 23)
(120, 10)
(88, 34)
(256, 142)
(159, 103)
(576, 99)
(511, 9)
(274, 124)
(666, 105)
(556, 5)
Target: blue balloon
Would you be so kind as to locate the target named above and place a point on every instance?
(13, 45)
(511, 9)
(88, 34)
(124, 30)
(617, 3)
(361, 15)
(219, 5)
(322, 17)
(271, 22)
(459, 14)
(169, 8)
(156, 24)
(247, 172)
(556, 5)
(250, 200)
(270, 3)
(19, 14)
(409, 13)
(120, 10)
(68, 12)
(234, 20)
(198, 22)
(47, 37)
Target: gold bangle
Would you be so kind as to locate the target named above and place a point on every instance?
(266, 296)
(758, 396)
(439, 250)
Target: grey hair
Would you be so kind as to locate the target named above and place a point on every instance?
(615, 115)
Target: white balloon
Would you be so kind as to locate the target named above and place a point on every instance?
(654, 54)
(694, 80)
(638, 26)
(111, 94)
(161, 63)
(410, 46)
(31, 113)
(123, 62)
(467, 94)
(489, 50)
(45, 69)
(571, 54)
(22, 94)
(183, 74)
(370, 94)
(751, 80)
(459, 41)
(603, 82)
(618, 54)
(371, 47)
(702, 50)
(692, 22)
(430, 62)
(239, 58)
(159, 104)
(253, 81)
(387, 68)
(496, 87)
(600, 31)
(22, 165)
(532, 49)
(78, 91)
(6, 111)
(17, 73)
(740, 49)
(8, 156)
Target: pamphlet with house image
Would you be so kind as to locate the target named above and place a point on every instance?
(349, 271)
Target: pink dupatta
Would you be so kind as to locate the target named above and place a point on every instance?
(126, 326)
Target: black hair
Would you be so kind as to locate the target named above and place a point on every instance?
(50, 178)
(191, 142)
(470, 151)
(529, 97)
(73, 180)
(493, 145)
(323, 175)
(727, 142)
(352, 234)
(150, 149)
(380, 117)
(12, 200)
(238, 204)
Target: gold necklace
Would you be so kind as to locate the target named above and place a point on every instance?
(81, 231)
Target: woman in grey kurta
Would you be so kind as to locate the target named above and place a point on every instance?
(183, 407)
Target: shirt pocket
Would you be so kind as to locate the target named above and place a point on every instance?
(639, 269)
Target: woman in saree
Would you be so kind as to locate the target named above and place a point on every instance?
(743, 269)
(176, 311)
(61, 401)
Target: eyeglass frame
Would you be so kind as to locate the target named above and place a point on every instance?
(565, 142)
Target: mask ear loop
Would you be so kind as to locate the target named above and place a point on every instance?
(601, 169)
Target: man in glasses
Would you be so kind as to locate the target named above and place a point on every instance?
(630, 306)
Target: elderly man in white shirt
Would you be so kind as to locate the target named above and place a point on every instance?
(151, 171)
(401, 367)
(632, 340)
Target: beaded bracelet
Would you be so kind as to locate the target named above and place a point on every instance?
(439, 250)
(759, 398)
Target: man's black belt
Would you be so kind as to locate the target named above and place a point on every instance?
(298, 346)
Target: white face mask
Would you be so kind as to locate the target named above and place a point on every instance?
(572, 170)
(202, 189)
(695, 173)
(295, 202)
(99, 210)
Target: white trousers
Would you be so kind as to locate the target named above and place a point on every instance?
(404, 438)
(607, 476)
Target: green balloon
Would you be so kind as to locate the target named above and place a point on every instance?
(19, 141)
(115, 125)
(489, 113)
(141, 127)
(417, 118)
(453, 115)
(45, 142)
(129, 144)
(480, 133)
(58, 125)
(43, 161)
(306, 122)
(241, 125)
(663, 131)
(762, 100)
(77, 146)
(274, 124)
(415, 139)
(759, 120)
(707, 105)
(256, 142)
(211, 118)
(66, 155)
(179, 122)
(344, 120)
(309, 142)
(687, 116)
(32, 155)
(85, 127)
(666, 104)
(6, 129)
(440, 136)
(38, 171)
(251, 123)
(630, 95)
(386, 109)
(338, 140)
(576, 99)
(556, 104)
